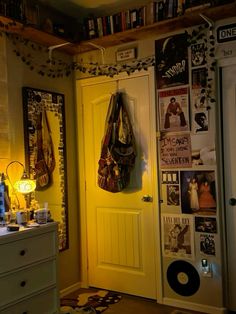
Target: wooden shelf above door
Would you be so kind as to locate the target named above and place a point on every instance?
(159, 28)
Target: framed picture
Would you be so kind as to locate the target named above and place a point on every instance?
(45, 153)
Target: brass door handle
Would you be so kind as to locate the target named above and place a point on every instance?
(147, 198)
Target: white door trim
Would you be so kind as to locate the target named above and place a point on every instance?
(221, 64)
(81, 174)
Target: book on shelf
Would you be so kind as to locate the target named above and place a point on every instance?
(150, 13)
(99, 27)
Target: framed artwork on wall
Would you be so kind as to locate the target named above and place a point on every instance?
(45, 153)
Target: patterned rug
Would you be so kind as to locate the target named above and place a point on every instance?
(89, 303)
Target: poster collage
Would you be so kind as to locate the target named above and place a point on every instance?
(189, 192)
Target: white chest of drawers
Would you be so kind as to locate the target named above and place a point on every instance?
(28, 271)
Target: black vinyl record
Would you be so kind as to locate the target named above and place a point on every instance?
(183, 278)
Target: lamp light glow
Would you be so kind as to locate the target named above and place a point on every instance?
(25, 185)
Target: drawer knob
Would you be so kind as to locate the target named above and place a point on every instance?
(23, 283)
(25, 312)
(22, 252)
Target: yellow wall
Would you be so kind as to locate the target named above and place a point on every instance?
(19, 75)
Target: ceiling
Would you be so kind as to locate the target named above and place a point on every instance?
(82, 8)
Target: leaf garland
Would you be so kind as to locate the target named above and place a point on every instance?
(204, 33)
(36, 57)
(26, 51)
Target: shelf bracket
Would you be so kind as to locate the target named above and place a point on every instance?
(208, 20)
(51, 48)
(102, 49)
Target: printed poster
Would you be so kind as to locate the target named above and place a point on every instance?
(174, 109)
(205, 224)
(175, 151)
(171, 61)
(198, 192)
(177, 236)
(207, 244)
(170, 177)
(198, 54)
(173, 195)
(200, 122)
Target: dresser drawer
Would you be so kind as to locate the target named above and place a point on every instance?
(28, 281)
(26, 251)
(44, 303)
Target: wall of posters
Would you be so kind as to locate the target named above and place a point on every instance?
(172, 61)
(174, 109)
(175, 151)
(177, 235)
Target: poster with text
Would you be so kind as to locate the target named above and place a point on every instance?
(171, 61)
(175, 151)
(177, 236)
(174, 109)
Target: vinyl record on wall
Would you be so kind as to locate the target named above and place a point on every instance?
(183, 278)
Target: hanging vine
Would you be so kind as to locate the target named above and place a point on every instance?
(204, 33)
(53, 67)
(37, 58)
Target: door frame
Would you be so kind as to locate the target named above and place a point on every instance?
(221, 63)
(81, 173)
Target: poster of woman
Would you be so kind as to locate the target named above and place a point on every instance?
(177, 235)
(198, 194)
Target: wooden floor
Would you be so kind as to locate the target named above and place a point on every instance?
(136, 305)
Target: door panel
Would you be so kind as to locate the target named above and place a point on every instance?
(120, 226)
(229, 131)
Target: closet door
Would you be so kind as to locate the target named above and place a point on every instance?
(122, 227)
(229, 130)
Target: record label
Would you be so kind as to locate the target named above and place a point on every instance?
(183, 278)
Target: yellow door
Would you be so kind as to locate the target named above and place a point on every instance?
(122, 233)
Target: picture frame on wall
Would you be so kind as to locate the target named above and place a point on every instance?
(45, 153)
